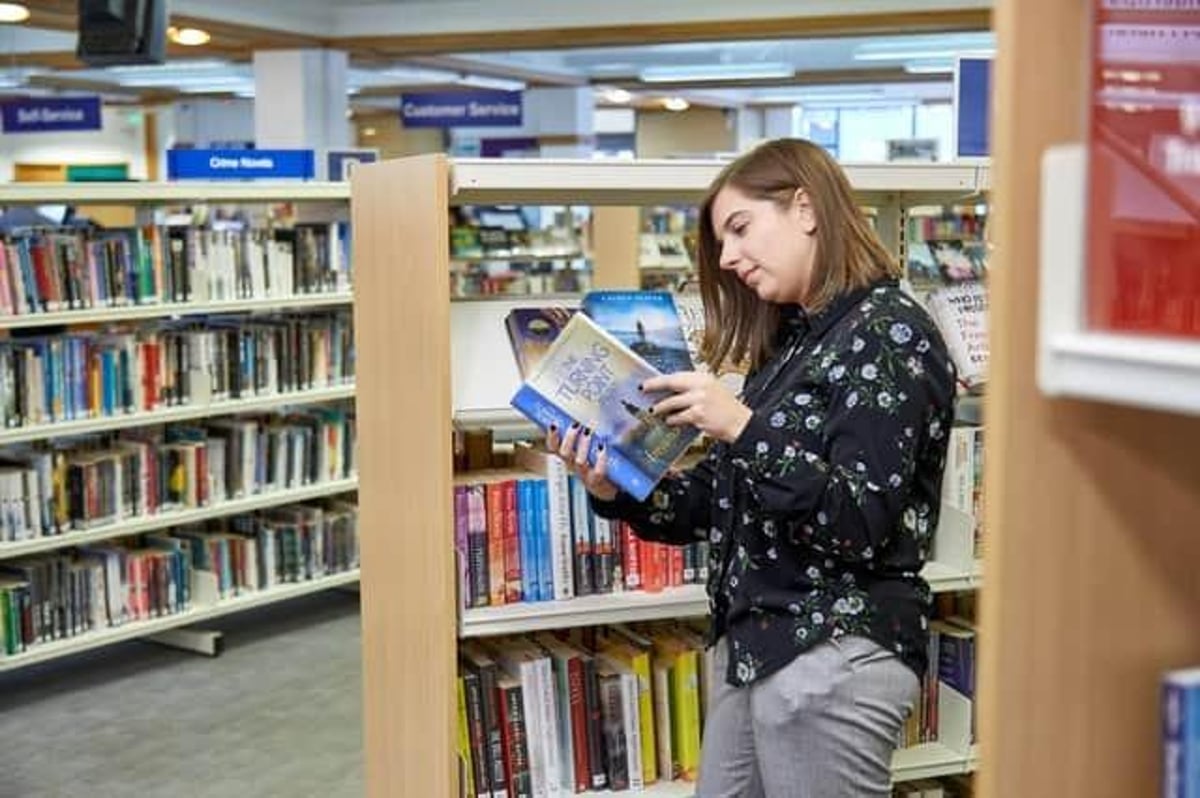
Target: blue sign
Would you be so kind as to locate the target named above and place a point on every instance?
(972, 106)
(461, 109)
(339, 162)
(51, 114)
(239, 164)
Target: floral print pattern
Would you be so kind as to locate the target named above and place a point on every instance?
(822, 513)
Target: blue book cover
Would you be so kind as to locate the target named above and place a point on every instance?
(589, 377)
(645, 321)
(1181, 734)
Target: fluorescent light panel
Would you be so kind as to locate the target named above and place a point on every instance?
(716, 72)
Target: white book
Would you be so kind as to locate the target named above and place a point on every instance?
(631, 717)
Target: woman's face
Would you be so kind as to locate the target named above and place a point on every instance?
(771, 248)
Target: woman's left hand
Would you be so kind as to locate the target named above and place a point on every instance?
(700, 400)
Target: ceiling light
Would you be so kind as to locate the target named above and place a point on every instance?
(929, 67)
(13, 12)
(676, 104)
(189, 37)
(485, 82)
(716, 72)
(368, 131)
(617, 96)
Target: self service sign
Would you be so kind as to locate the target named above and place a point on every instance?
(461, 109)
(50, 114)
(239, 164)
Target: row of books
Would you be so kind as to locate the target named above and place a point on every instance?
(615, 708)
(43, 272)
(945, 712)
(68, 594)
(49, 379)
(961, 786)
(962, 480)
(537, 539)
(81, 483)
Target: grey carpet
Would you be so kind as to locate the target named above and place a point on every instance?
(277, 714)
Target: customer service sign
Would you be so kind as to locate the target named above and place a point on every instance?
(462, 109)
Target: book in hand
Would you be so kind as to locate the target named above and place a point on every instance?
(531, 331)
(648, 322)
(589, 377)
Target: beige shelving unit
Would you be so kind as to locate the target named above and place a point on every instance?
(406, 407)
(1092, 587)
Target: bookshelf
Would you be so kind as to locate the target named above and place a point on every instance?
(407, 339)
(324, 202)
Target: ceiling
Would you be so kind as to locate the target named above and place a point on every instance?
(39, 56)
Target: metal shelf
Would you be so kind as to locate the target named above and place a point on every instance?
(926, 761)
(626, 607)
(169, 414)
(44, 652)
(171, 309)
(636, 605)
(160, 193)
(569, 182)
(169, 518)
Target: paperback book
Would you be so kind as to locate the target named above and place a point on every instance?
(590, 377)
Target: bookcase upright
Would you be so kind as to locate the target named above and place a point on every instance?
(400, 214)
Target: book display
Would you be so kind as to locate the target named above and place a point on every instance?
(177, 439)
(507, 249)
(531, 624)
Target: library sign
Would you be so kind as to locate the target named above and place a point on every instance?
(462, 109)
(239, 164)
(51, 114)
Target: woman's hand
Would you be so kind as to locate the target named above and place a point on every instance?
(700, 400)
(573, 448)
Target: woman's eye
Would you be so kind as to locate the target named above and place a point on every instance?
(739, 229)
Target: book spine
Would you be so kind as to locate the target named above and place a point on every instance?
(497, 579)
(1181, 739)
(559, 503)
(595, 725)
(579, 720)
(512, 544)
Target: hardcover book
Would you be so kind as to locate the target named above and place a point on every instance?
(645, 321)
(590, 377)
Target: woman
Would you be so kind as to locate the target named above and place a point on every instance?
(820, 496)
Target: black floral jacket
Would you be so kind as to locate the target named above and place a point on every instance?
(822, 513)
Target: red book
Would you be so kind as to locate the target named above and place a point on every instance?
(495, 544)
(512, 543)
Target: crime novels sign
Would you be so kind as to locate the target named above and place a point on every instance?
(462, 109)
(239, 164)
(50, 114)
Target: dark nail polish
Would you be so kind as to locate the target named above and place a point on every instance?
(575, 425)
(587, 430)
(554, 428)
(640, 388)
(600, 448)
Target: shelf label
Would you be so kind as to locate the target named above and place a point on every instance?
(1143, 204)
(51, 114)
(239, 164)
(339, 163)
(462, 109)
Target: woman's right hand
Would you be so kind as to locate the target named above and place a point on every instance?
(572, 446)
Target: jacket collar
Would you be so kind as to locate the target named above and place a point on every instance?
(795, 319)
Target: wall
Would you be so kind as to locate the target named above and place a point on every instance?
(696, 132)
(204, 122)
(121, 139)
(391, 138)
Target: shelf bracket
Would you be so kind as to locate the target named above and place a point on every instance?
(208, 642)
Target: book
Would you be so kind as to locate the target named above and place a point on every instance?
(1181, 734)
(590, 377)
(531, 331)
(647, 322)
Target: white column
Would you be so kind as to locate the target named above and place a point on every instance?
(749, 127)
(300, 101)
(778, 121)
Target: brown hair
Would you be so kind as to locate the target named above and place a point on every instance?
(740, 328)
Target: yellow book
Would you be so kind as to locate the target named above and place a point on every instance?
(685, 703)
(466, 771)
(638, 660)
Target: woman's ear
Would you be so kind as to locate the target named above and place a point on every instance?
(803, 209)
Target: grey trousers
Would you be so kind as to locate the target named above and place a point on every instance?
(825, 726)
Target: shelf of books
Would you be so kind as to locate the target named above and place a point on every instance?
(177, 431)
(515, 600)
(1115, 337)
(196, 613)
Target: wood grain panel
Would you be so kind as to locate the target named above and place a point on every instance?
(615, 233)
(399, 212)
(1092, 533)
(723, 30)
